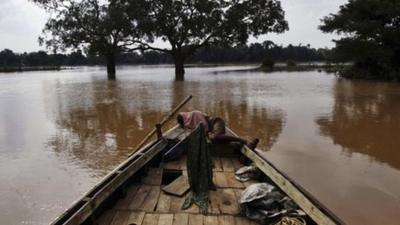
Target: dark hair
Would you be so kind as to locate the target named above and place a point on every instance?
(181, 123)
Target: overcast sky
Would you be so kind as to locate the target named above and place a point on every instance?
(21, 23)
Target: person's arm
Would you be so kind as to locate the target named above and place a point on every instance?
(180, 121)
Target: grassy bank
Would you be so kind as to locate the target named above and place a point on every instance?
(331, 68)
(28, 68)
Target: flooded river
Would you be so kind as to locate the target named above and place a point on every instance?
(61, 132)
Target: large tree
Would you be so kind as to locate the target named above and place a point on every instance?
(100, 27)
(371, 37)
(188, 25)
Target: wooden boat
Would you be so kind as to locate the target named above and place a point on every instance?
(132, 193)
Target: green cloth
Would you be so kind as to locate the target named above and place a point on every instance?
(199, 168)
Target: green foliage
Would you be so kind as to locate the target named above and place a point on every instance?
(256, 52)
(371, 30)
(253, 53)
(107, 27)
(268, 63)
(8, 58)
(188, 25)
(38, 59)
(96, 27)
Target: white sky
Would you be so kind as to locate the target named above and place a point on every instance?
(21, 23)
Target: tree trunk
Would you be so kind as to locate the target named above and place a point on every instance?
(179, 68)
(111, 66)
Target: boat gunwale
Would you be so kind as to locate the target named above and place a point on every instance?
(317, 210)
(91, 196)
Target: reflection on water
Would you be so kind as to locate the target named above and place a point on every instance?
(100, 123)
(104, 129)
(61, 132)
(365, 119)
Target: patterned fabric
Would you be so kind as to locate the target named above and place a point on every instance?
(193, 119)
(199, 168)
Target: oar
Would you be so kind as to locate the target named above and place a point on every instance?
(165, 120)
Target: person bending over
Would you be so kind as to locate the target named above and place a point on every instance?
(214, 128)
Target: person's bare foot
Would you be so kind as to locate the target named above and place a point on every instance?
(253, 144)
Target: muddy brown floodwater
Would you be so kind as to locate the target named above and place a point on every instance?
(61, 132)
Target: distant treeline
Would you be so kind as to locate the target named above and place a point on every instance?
(253, 53)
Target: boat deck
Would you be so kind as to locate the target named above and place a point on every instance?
(145, 203)
(134, 193)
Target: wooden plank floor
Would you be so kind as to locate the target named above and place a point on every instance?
(146, 204)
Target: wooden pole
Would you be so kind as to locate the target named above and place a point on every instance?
(164, 121)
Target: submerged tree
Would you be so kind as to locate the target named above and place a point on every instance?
(371, 30)
(99, 27)
(188, 25)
